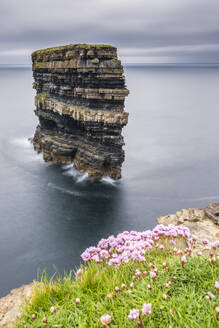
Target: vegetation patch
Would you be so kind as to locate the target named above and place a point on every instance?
(136, 279)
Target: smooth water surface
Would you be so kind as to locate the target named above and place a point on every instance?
(50, 214)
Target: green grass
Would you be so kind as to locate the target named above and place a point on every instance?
(72, 46)
(186, 295)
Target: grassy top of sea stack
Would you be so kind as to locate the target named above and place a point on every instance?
(73, 47)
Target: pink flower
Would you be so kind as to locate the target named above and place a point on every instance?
(117, 289)
(205, 241)
(79, 271)
(149, 287)
(153, 275)
(52, 309)
(77, 301)
(164, 265)
(146, 309)
(213, 259)
(183, 260)
(216, 285)
(105, 320)
(134, 314)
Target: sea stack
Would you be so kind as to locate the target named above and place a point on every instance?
(80, 104)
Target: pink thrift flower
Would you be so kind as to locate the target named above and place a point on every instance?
(205, 241)
(106, 320)
(153, 275)
(216, 285)
(123, 286)
(213, 259)
(131, 285)
(151, 266)
(183, 260)
(146, 309)
(79, 271)
(52, 309)
(77, 301)
(134, 314)
(149, 287)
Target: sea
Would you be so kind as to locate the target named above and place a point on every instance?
(50, 214)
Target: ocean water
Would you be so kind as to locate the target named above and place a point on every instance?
(50, 214)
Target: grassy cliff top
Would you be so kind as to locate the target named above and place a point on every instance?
(73, 46)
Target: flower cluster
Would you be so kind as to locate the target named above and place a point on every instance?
(134, 245)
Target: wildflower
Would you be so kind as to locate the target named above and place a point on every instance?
(78, 273)
(131, 285)
(117, 289)
(150, 265)
(33, 317)
(207, 297)
(149, 287)
(133, 277)
(164, 296)
(217, 310)
(129, 291)
(156, 270)
(52, 309)
(110, 295)
(213, 259)
(183, 260)
(44, 320)
(164, 265)
(134, 314)
(205, 241)
(171, 312)
(105, 320)
(199, 253)
(174, 278)
(77, 301)
(216, 285)
(153, 275)
(139, 323)
(144, 273)
(146, 309)
(167, 285)
(123, 286)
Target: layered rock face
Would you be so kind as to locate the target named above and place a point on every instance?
(80, 104)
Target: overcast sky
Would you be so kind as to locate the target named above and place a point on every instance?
(145, 31)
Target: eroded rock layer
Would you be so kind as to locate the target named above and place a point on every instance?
(80, 104)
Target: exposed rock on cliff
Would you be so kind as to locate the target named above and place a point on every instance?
(200, 225)
(80, 104)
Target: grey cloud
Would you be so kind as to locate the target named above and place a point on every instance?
(141, 24)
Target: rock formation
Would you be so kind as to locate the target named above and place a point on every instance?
(80, 104)
(200, 224)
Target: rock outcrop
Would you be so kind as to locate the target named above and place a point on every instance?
(80, 104)
(200, 225)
